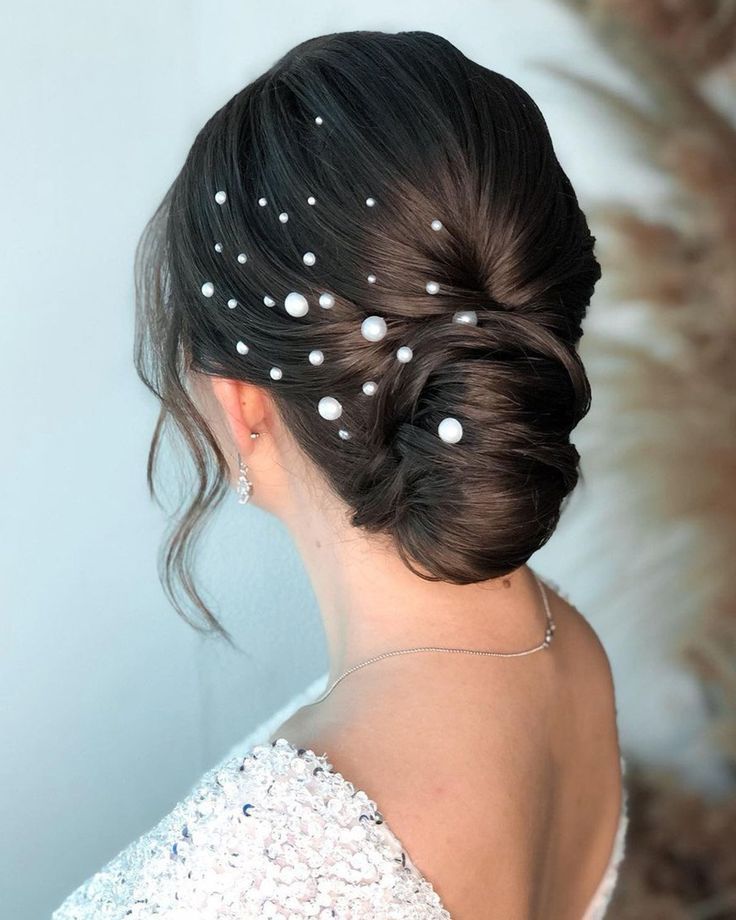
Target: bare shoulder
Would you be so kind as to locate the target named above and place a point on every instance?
(458, 787)
(583, 666)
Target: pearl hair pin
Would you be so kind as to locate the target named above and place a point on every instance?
(283, 217)
(242, 258)
(329, 408)
(436, 224)
(318, 120)
(373, 328)
(309, 258)
(218, 247)
(262, 202)
(465, 316)
(232, 303)
(296, 304)
(208, 289)
(221, 197)
(450, 430)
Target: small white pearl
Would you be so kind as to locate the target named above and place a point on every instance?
(309, 258)
(316, 357)
(370, 387)
(262, 202)
(218, 247)
(370, 202)
(329, 408)
(283, 217)
(450, 430)
(318, 120)
(373, 328)
(242, 348)
(326, 300)
(269, 301)
(296, 304)
(470, 317)
(242, 258)
(432, 287)
(436, 224)
(276, 373)
(371, 279)
(232, 303)
(221, 198)
(404, 354)
(344, 434)
(311, 200)
(208, 289)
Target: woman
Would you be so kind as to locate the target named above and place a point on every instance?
(362, 297)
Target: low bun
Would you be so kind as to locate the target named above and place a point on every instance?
(477, 509)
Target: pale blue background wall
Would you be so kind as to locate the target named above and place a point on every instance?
(111, 706)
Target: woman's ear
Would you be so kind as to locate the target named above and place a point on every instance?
(233, 407)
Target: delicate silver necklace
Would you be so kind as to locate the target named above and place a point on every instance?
(548, 634)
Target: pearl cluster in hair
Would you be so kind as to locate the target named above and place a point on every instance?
(373, 328)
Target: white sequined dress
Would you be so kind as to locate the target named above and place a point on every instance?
(273, 833)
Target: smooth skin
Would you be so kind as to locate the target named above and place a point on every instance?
(501, 777)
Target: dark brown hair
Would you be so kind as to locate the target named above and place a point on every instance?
(410, 121)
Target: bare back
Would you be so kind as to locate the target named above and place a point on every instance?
(502, 782)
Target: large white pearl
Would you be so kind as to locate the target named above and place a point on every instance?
(465, 316)
(432, 287)
(242, 258)
(262, 202)
(232, 303)
(404, 354)
(311, 200)
(276, 373)
(309, 258)
(370, 202)
(316, 356)
(436, 224)
(221, 197)
(329, 408)
(371, 279)
(283, 217)
(450, 430)
(373, 328)
(242, 348)
(370, 387)
(208, 289)
(296, 304)
(326, 300)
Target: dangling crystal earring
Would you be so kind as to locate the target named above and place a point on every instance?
(245, 486)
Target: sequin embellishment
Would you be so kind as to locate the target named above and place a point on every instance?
(276, 833)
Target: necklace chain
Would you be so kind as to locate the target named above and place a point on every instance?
(548, 635)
